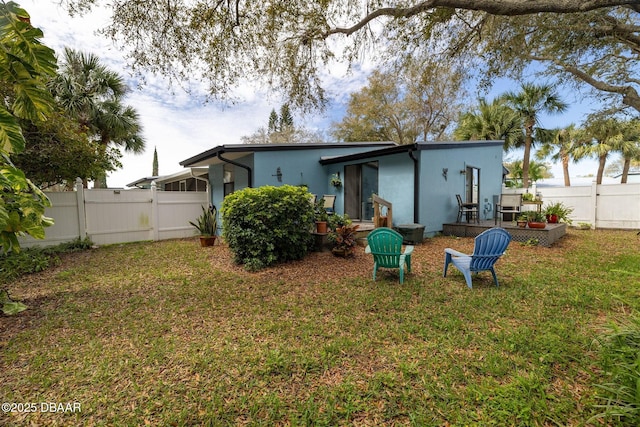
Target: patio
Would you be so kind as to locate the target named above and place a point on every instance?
(546, 236)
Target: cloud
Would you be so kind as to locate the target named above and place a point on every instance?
(181, 125)
(178, 124)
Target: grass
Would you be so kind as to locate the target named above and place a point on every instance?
(172, 334)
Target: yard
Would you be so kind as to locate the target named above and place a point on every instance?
(169, 333)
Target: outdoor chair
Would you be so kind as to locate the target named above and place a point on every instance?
(508, 204)
(489, 246)
(385, 245)
(329, 203)
(469, 210)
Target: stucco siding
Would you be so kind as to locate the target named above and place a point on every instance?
(438, 193)
(396, 184)
(297, 167)
(240, 178)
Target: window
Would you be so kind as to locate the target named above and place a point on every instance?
(228, 179)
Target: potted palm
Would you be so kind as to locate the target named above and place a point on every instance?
(557, 212)
(207, 225)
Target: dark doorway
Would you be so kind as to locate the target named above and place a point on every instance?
(360, 182)
(472, 185)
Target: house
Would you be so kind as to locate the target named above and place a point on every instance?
(192, 179)
(420, 180)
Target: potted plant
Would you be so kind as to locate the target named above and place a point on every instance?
(321, 217)
(335, 180)
(521, 221)
(207, 225)
(336, 220)
(535, 219)
(344, 239)
(527, 197)
(557, 212)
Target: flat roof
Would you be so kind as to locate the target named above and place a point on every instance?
(436, 145)
(239, 150)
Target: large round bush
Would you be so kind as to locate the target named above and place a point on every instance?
(268, 225)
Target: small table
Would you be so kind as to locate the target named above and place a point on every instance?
(537, 203)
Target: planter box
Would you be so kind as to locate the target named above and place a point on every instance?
(411, 233)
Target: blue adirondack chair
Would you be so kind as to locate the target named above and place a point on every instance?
(385, 245)
(489, 246)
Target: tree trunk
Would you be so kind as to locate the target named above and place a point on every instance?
(100, 181)
(528, 141)
(565, 170)
(601, 162)
(625, 170)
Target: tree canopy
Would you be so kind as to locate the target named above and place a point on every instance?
(281, 129)
(94, 95)
(25, 65)
(418, 102)
(288, 45)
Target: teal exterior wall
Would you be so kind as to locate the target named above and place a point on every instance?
(396, 185)
(216, 178)
(298, 167)
(438, 203)
(396, 177)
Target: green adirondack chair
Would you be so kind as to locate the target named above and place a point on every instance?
(385, 245)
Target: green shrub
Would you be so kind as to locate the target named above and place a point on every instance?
(268, 225)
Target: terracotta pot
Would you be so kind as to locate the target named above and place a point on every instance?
(522, 224)
(321, 227)
(552, 219)
(537, 225)
(207, 241)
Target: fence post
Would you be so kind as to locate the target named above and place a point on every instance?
(155, 217)
(594, 204)
(82, 218)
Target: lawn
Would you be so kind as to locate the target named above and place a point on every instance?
(169, 333)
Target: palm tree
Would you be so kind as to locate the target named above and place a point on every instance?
(529, 103)
(609, 134)
(631, 150)
(559, 145)
(537, 170)
(93, 94)
(490, 121)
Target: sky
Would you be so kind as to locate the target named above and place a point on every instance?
(179, 126)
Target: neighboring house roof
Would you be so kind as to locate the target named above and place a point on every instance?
(235, 151)
(177, 176)
(142, 181)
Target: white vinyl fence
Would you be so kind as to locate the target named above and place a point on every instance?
(117, 216)
(602, 206)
